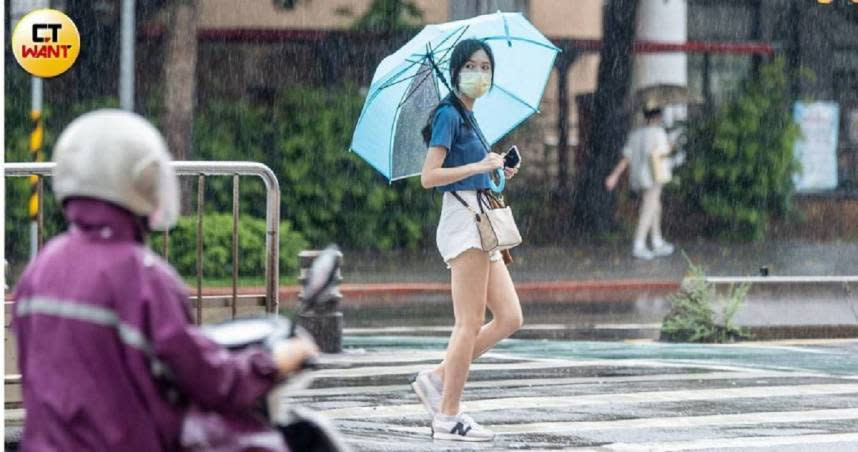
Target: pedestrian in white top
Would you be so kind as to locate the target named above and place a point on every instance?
(646, 153)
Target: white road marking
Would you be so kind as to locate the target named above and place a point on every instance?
(519, 403)
(737, 443)
(375, 371)
(532, 382)
(775, 417)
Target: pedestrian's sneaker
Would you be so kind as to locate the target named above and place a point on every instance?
(642, 252)
(428, 391)
(459, 428)
(662, 249)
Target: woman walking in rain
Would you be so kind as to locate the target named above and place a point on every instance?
(646, 154)
(458, 164)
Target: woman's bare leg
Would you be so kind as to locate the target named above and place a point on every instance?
(470, 275)
(502, 301)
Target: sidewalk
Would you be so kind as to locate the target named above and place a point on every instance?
(614, 262)
(566, 289)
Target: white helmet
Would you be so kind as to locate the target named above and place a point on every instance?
(119, 157)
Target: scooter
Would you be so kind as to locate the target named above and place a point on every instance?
(301, 429)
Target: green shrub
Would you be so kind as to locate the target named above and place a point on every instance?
(217, 246)
(692, 316)
(739, 173)
(328, 193)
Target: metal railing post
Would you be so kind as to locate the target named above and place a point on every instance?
(235, 212)
(166, 252)
(40, 187)
(201, 190)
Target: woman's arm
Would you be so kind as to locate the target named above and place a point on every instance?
(433, 175)
(611, 181)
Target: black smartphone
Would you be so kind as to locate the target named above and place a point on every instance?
(512, 159)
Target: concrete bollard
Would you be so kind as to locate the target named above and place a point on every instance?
(323, 321)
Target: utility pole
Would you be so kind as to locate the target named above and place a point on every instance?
(126, 56)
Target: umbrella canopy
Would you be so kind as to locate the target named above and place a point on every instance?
(407, 85)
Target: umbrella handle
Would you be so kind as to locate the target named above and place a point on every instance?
(497, 188)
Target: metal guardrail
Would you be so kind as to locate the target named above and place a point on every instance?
(201, 170)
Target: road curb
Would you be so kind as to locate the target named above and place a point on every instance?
(381, 294)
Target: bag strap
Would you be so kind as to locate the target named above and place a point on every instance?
(482, 200)
(467, 118)
(453, 192)
(477, 131)
(493, 200)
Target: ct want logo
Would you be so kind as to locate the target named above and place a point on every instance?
(46, 42)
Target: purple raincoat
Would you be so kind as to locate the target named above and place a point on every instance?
(105, 344)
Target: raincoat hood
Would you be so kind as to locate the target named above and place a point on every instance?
(103, 220)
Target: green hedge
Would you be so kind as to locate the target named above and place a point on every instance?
(328, 193)
(217, 246)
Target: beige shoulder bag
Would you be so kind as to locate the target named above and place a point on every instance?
(497, 227)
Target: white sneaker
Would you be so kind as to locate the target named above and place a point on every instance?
(642, 252)
(428, 388)
(459, 428)
(662, 249)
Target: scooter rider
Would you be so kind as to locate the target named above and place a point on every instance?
(108, 356)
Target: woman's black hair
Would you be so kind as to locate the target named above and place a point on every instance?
(461, 54)
(652, 114)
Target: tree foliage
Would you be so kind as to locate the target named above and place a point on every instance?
(387, 16)
(739, 173)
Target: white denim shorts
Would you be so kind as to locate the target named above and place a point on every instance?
(457, 230)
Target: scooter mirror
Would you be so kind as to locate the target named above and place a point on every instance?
(321, 275)
(237, 334)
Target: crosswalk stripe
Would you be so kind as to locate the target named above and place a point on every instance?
(360, 359)
(778, 417)
(376, 371)
(602, 399)
(531, 382)
(741, 442)
(352, 359)
(560, 428)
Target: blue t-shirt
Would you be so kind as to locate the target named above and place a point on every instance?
(463, 145)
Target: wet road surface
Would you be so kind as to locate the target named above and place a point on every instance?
(605, 396)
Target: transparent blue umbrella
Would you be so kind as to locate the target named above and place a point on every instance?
(408, 84)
